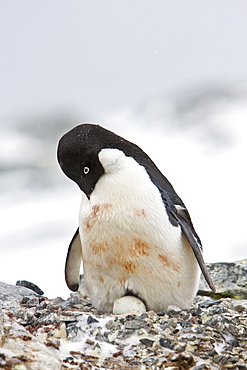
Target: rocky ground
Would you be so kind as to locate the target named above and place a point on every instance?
(40, 333)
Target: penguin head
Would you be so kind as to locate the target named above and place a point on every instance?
(83, 158)
(78, 157)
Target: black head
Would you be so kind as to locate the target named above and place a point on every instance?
(78, 153)
(78, 156)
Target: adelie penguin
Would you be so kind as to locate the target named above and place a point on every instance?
(135, 235)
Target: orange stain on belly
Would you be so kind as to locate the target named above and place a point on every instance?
(122, 260)
(168, 263)
(98, 248)
(97, 211)
(139, 247)
(140, 212)
(129, 266)
(116, 251)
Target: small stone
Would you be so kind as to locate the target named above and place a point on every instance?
(180, 347)
(96, 346)
(150, 361)
(30, 286)
(185, 359)
(221, 359)
(25, 300)
(112, 325)
(135, 324)
(141, 332)
(43, 305)
(2, 360)
(187, 324)
(172, 323)
(90, 341)
(20, 367)
(32, 302)
(55, 343)
(91, 319)
(234, 342)
(239, 308)
(72, 330)
(237, 330)
(161, 313)
(215, 322)
(60, 332)
(147, 342)
(241, 366)
(143, 316)
(217, 310)
(164, 342)
(202, 367)
(135, 363)
(210, 303)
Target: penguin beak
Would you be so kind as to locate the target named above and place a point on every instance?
(87, 190)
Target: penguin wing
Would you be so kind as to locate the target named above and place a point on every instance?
(73, 263)
(183, 218)
(179, 215)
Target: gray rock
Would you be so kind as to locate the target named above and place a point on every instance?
(135, 324)
(20, 349)
(147, 342)
(11, 296)
(29, 285)
(230, 280)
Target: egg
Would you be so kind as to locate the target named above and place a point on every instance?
(128, 304)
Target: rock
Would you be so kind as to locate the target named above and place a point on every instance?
(147, 342)
(230, 280)
(29, 285)
(134, 324)
(19, 347)
(11, 296)
(91, 319)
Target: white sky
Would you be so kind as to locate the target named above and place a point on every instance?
(94, 56)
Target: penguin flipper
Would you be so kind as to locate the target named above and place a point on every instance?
(184, 221)
(73, 263)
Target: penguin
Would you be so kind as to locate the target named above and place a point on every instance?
(135, 235)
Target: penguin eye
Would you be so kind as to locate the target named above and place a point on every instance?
(86, 170)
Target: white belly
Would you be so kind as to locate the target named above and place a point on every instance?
(129, 245)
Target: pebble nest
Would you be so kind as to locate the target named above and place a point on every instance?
(212, 334)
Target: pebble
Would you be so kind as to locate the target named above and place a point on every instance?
(91, 319)
(135, 324)
(147, 342)
(29, 285)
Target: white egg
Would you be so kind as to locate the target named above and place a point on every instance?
(128, 304)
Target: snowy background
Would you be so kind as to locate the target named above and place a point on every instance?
(169, 77)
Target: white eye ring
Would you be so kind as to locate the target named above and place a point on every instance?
(86, 170)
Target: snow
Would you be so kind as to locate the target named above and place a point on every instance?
(79, 343)
(205, 161)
